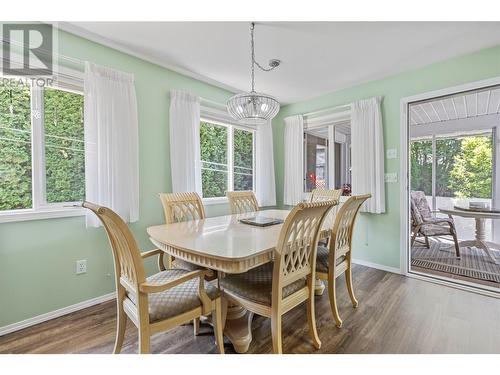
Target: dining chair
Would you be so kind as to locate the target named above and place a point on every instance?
(178, 207)
(275, 288)
(242, 202)
(318, 195)
(335, 260)
(159, 302)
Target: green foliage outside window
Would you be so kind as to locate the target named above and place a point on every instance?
(15, 147)
(214, 156)
(464, 166)
(472, 172)
(243, 160)
(214, 169)
(64, 147)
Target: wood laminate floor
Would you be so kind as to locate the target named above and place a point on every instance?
(395, 315)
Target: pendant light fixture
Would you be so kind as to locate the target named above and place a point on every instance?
(253, 107)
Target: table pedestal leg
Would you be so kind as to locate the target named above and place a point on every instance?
(238, 328)
(319, 287)
(480, 241)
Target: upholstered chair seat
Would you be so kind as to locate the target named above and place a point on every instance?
(322, 259)
(438, 229)
(256, 284)
(177, 300)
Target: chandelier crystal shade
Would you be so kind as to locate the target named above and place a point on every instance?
(252, 107)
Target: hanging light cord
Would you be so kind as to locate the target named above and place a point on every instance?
(254, 62)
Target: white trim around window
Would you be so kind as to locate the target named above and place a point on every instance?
(71, 81)
(47, 212)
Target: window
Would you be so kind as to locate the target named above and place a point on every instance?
(453, 170)
(243, 160)
(41, 148)
(327, 165)
(15, 148)
(227, 158)
(316, 162)
(64, 146)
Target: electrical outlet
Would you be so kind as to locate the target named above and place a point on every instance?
(81, 266)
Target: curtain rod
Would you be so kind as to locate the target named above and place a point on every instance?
(344, 106)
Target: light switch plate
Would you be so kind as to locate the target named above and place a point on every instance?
(391, 177)
(392, 153)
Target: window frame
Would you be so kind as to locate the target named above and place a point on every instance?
(433, 138)
(328, 168)
(230, 157)
(70, 81)
(331, 126)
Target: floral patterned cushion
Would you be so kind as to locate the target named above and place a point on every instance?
(256, 284)
(438, 229)
(420, 207)
(177, 300)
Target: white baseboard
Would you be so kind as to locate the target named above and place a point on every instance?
(377, 266)
(55, 314)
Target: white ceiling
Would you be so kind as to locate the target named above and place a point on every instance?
(479, 103)
(317, 57)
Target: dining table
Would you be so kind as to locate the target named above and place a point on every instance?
(226, 245)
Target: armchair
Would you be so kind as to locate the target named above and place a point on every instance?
(423, 223)
(159, 302)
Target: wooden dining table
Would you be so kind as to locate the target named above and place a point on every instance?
(226, 245)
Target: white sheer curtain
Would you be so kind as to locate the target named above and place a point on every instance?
(367, 148)
(111, 142)
(294, 160)
(185, 142)
(265, 187)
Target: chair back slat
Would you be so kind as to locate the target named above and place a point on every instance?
(319, 195)
(126, 254)
(179, 207)
(242, 202)
(341, 238)
(295, 255)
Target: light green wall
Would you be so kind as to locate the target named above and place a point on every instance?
(377, 237)
(37, 258)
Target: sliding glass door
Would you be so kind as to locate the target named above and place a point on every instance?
(453, 170)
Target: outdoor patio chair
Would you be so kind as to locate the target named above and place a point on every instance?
(425, 224)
